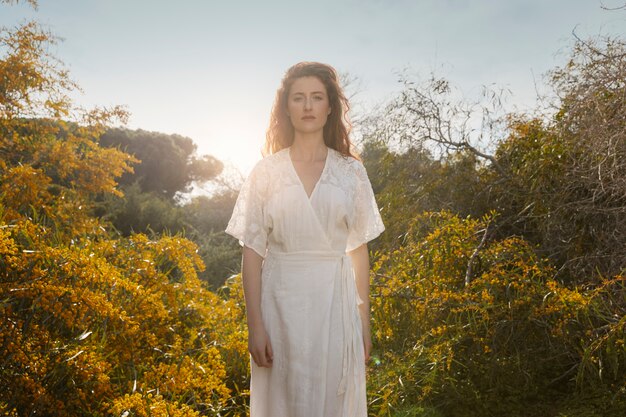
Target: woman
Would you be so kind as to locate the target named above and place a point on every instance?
(304, 216)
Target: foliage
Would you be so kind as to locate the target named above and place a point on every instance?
(558, 178)
(97, 324)
(92, 323)
(28, 71)
(567, 176)
(168, 162)
(512, 340)
(539, 328)
(202, 220)
(413, 182)
(169, 168)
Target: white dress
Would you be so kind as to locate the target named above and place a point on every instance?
(308, 291)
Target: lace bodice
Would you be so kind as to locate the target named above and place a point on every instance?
(273, 209)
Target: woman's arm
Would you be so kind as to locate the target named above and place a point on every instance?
(258, 340)
(361, 264)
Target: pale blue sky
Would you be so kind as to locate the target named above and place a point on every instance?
(209, 69)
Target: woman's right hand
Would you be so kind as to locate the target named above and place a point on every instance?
(259, 346)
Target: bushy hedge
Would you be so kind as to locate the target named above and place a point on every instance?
(499, 338)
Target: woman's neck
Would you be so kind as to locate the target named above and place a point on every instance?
(308, 147)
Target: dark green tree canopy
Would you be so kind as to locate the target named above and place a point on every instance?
(169, 163)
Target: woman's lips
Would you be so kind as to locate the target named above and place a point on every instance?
(308, 117)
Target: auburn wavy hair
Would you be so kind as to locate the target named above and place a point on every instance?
(280, 133)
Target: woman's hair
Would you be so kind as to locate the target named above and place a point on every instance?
(280, 133)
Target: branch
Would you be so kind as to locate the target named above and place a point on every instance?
(603, 7)
(488, 157)
(470, 263)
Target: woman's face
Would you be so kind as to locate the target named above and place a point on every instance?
(307, 104)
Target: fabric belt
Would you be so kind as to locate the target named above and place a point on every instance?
(349, 312)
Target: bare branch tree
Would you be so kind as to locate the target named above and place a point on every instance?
(433, 114)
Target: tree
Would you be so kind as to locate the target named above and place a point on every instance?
(558, 177)
(566, 185)
(168, 164)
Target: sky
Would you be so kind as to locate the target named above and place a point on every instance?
(209, 69)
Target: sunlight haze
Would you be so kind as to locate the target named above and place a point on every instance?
(209, 70)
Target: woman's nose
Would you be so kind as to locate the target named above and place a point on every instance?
(308, 103)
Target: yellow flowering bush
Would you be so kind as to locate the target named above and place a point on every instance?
(86, 322)
(149, 405)
(92, 324)
(476, 328)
